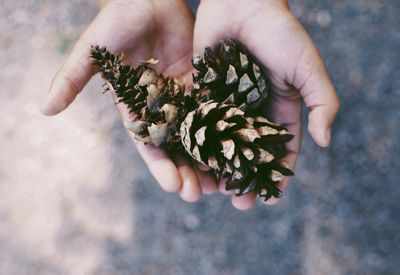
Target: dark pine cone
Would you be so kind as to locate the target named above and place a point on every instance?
(230, 74)
(157, 102)
(246, 150)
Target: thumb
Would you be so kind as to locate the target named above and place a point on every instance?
(319, 95)
(69, 80)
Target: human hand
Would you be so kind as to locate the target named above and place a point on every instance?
(296, 69)
(142, 30)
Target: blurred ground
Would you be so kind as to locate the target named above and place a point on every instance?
(74, 198)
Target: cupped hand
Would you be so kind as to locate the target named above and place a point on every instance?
(289, 56)
(142, 30)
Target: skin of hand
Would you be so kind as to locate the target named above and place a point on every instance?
(289, 56)
(145, 29)
(142, 29)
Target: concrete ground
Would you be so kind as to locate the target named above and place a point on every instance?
(75, 198)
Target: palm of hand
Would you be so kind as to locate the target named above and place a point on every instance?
(142, 31)
(296, 70)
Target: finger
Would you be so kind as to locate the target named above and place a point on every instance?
(161, 167)
(69, 80)
(202, 167)
(271, 201)
(207, 182)
(159, 163)
(190, 190)
(222, 187)
(244, 202)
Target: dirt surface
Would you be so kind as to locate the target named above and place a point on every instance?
(75, 198)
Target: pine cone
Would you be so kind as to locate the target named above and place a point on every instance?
(157, 102)
(246, 150)
(230, 74)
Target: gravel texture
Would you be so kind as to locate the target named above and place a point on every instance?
(75, 198)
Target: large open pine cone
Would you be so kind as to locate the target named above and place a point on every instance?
(246, 150)
(230, 74)
(157, 102)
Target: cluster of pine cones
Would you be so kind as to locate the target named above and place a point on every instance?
(217, 122)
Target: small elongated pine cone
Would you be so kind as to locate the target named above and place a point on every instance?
(246, 150)
(231, 75)
(157, 102)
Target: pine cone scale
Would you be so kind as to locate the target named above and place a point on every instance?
(238, 154)
(228, 74)
(146, 93)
